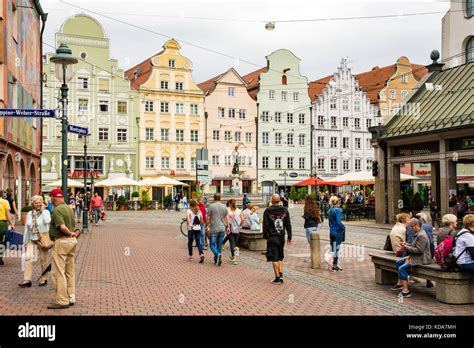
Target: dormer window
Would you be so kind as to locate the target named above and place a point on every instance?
(171, 63)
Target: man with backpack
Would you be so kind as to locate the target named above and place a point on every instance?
(276, 220)
(463, 248)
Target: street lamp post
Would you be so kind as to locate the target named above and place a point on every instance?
(63, 61)
(85, 207)
(91, 170)
(285, 174)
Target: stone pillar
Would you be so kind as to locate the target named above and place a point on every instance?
(380, 187)
(393, 183)
(447, 179)
(435, 187)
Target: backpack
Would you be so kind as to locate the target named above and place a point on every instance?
(234, 225)
(443, 253)
(196, 223)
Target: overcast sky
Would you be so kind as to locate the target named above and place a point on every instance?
(239, 31)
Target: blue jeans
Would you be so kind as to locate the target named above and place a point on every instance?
(216, 243)
(467, 267)
(203, 234)
(194, 235)
(403, 268)
(308, 232)
(335, 239)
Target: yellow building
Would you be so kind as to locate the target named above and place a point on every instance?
(171, 118)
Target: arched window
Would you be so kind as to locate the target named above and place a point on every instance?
(470, 50)
(283, 80)
(469, 8)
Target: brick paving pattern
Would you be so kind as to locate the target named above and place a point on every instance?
(136, 264)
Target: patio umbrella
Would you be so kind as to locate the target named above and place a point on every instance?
(359, 178)
(70, 183)
(310, 182)
(118, 182)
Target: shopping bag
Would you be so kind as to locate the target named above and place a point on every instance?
(13, 239)
(103, 216)
(328, 258)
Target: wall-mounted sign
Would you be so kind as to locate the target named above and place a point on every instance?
(77, 130)
(467, 143)
(27, 113)
(293, 175)
(80, 174)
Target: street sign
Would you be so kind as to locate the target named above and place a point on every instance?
(43, 113)
(77, 130)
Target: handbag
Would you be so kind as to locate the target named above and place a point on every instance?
(103, 216)
(44, 241)
(388, 244)
(343, 239)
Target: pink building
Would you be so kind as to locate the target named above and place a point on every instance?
(230, 127)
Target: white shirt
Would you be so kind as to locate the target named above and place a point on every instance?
(466, 240)
(43, 220)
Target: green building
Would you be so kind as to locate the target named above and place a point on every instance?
(100, 98)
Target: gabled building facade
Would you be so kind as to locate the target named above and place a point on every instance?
(171, 116)
(230, 124)
(101, 99)
(284, 122)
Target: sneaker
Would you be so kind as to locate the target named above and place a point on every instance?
(405, 294)
(281, 276)
(215, 260)
(396, 287)
(190, 258)
(97, 224)
(1, 261)
(58, 306)
(72, 301)
(202, 259)
(236, 251)
(277, 281)
(234, 262)
(219, 260)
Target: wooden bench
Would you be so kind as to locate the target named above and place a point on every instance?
(453, 287)
(253, 240)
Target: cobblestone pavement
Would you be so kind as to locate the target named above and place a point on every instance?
(136, 264)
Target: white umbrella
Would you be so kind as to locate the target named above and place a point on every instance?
(118, 182)
(165, 181)
(360, 178)
(70, 183)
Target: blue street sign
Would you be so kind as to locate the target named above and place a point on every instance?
(78, 130)
(27, 113)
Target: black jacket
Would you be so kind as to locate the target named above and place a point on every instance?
(276, 220)
(310, 221)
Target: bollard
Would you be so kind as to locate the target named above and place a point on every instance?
(135, 205)
(114, 206)
(315, 251)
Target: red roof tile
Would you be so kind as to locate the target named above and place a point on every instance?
(209, 85)
(252, 80)
(140, 73)
(371, 82)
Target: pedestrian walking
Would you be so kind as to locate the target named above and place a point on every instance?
(245, 202)
(195, 220)
(61, 232)
(97, 206)
(79, 206)
(177, 199)
(72, 201)
(312, 218)
(418, 254)
(276, 221)
(336, 231)
(235, 219)
(5, 218)
(11, 200)
(217, 226)
(202, 208)
(37, 222)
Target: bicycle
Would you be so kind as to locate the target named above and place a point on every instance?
(184, 227)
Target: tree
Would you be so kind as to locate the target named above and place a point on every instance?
(293, 194)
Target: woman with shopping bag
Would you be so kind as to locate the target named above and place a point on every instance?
(36, 235)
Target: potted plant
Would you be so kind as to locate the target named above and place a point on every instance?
(302, 192)
(121, 203)
(167, 202)
(145, 199)
(294, 194)
(24, 212)
(135, 196)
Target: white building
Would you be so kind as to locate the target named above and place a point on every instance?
(342, 115)
(458, 34)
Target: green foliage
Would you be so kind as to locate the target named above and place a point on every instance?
(167, 201)
(417, 203)
(26, 209)
(294, 194)
(302, 192)
(145, 197)
(195, 195)
(135, 194)
(122, 200)
(368, 191)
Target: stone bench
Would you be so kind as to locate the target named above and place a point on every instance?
(253, 240)
(453, 287)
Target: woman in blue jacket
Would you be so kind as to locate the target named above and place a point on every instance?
(336, 230)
